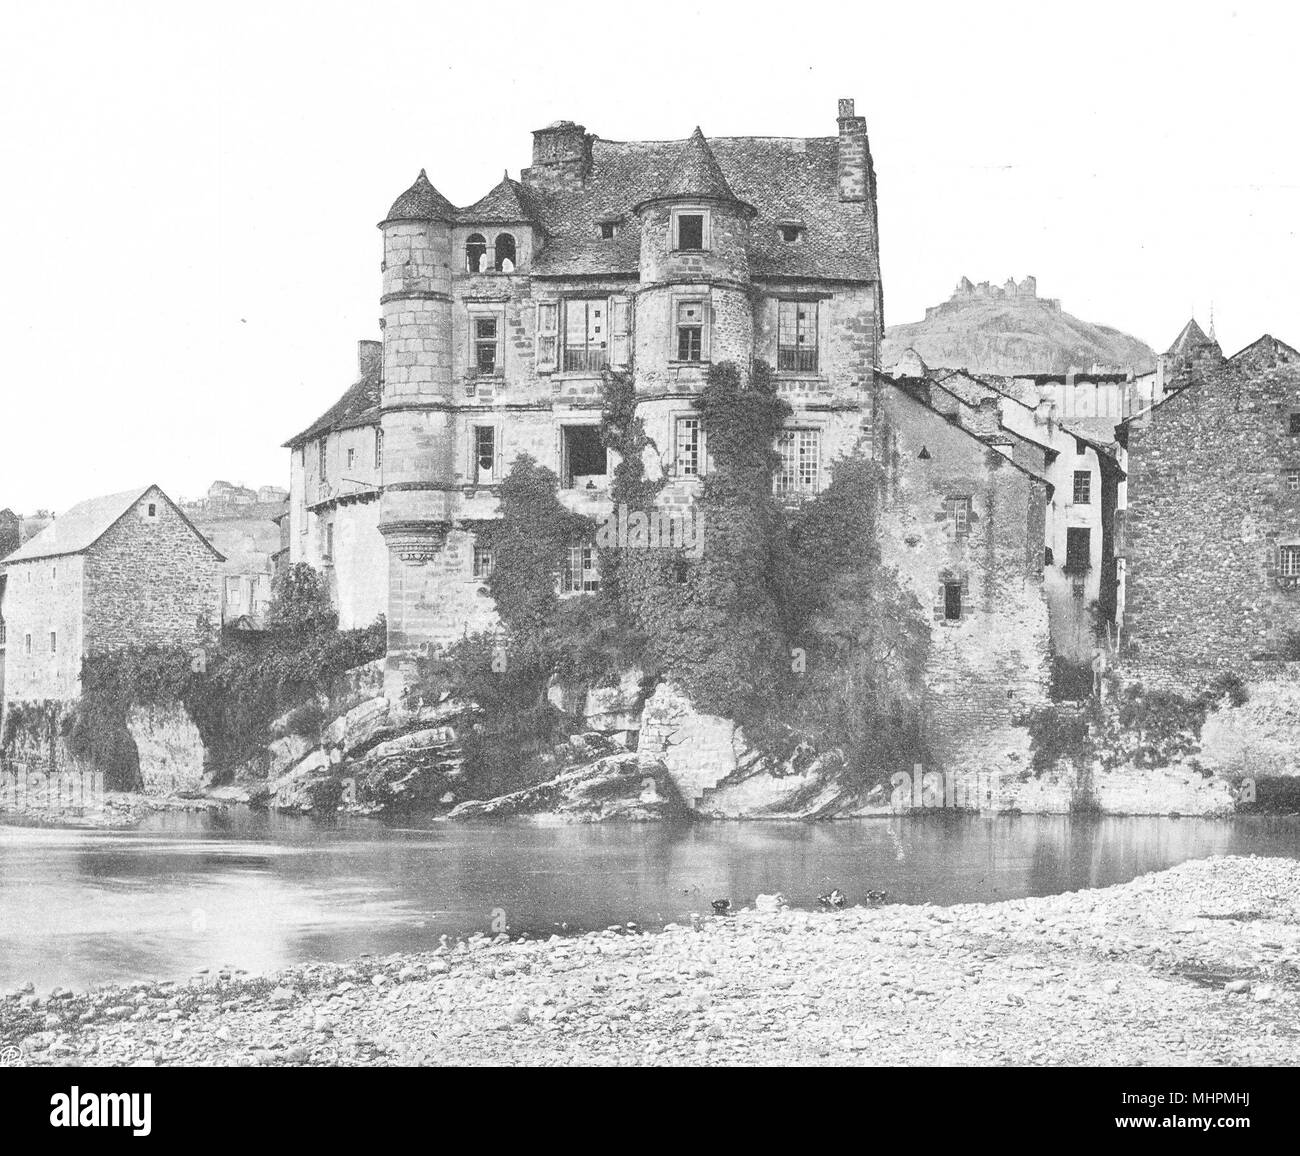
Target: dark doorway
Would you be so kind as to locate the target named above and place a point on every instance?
(584, 456)
(952, 600)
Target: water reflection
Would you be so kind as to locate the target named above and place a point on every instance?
(261, 891)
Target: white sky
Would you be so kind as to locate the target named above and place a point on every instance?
(187, 244)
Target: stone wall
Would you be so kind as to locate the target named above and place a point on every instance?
(990, 664)
(42, 596)
(1209, 508)
(149, 580)
(171, 751)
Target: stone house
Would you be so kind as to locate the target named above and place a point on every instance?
(1212, 533)
(963, 520)
(655, 257)
(335, 467)
(124, 570)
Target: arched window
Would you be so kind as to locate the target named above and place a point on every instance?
(476, 253)
(505, 253)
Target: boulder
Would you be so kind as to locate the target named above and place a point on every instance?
(616, 708)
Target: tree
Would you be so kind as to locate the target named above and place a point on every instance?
(300, 601)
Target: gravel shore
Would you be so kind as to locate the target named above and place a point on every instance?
(1196, 965)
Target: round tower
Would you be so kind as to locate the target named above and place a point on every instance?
(694, 305)
(418, 427)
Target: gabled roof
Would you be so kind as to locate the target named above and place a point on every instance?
(421, 202)
(1266, 348)
(1192, 335)
(507, 204)
(359, 406)
(84, 524)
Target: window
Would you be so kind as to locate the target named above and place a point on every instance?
(327, 545)
(476, 253)
(586, 335)
(796, 336)
(1288, 562)
(1080, 447)
(379, 448)
(2, 631)
(485, 344)
(689, 230)
(581, 574)
(504, 253)
(790, 233)
(27, 643)
(548, 324)
(153, 509)
(352, 456)
(690, 447)
(952, 601)
(324, 469)
(484, 560)
(1078, 589)
(1294, 426)
(54, 642)
(485, 454)
(690, 331)
(1078, 549)
(1082, 487)
(800, 451)
(607, 230)
(1293, 479)
(959, 515)
(583, 457)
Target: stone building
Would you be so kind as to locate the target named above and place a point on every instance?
(963, 521)
(1211, 544)
(11, 532)
(335, 467)
(501, 318)
(124, 570)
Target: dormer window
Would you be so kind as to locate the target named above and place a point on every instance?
(690, 230)
(476, 253)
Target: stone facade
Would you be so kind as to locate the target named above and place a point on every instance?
(1212, 541)
(128, 570)
(963, 522)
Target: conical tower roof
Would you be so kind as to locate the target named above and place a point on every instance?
(696, 176)
(1191, 337)
(421, 202)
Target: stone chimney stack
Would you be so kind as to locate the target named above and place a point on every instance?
(854, 155)
(561, 157)
(370, 357)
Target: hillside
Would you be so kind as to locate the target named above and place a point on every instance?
(1010, 329)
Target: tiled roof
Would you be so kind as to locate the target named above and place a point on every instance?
(783, 178)
(421, 202)
(1191, 336)
(358, 406)
(508, 203)
(696, 174)
(85, 523)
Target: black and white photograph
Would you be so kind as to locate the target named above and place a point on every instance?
(667, 536)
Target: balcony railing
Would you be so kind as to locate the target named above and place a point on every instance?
(796, 360)
(585, 360)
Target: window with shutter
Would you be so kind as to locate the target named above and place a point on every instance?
(548, 333)
(620, 332)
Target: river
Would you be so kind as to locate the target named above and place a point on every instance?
(183, 891)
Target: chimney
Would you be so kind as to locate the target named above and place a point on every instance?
(561, 157)
(854, 156)
(370, 357)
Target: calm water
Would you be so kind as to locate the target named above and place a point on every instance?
(80, 908)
